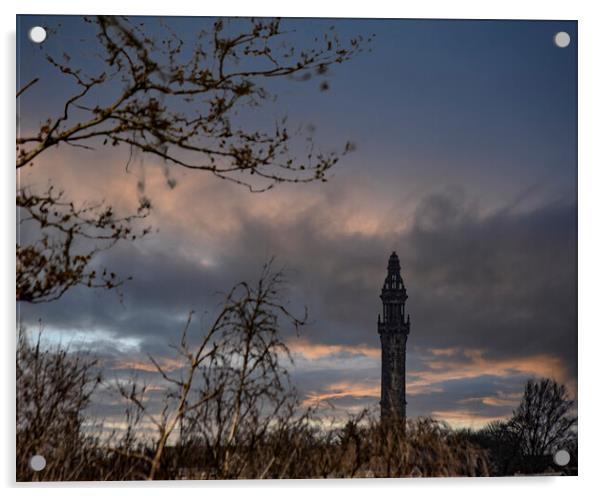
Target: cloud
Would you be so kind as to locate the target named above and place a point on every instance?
(465, 418)
(488, 251)
(500, 399)
(491, 289)
(343, 390)
(473, 363)
(312, 351)
(473, 388)
(167, 364)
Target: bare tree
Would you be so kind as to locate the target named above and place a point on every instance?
(54, 388)
(177, 101)
(544, 420)
(503, 445)
(231, 386)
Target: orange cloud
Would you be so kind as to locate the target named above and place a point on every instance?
(413, 388)
(167, 364)
(314, 351)
(448, 364)
(476, 365)
(464, 418)
(503, 399)
(359, 390)
(443, 351)
(341, 390)
(190, 210)
(499, 399)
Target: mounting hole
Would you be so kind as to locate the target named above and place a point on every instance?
(562, 458)
(37, 34)
(37, 463)
(562, 39)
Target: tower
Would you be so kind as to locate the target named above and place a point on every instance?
(393, 330)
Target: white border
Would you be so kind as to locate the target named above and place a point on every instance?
(590, 227)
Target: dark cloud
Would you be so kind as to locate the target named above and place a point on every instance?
(501, 281)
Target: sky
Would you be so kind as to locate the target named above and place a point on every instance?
(465, 165)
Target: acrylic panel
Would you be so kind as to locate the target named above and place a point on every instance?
(295, 248)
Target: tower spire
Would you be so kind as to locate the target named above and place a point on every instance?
(393, 330)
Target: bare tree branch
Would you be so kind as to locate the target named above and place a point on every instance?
(178, 102)
(57, 259)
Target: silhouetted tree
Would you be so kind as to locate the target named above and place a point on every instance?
(502, 444)
(543, 423)
(54, 388)
(231, 387)
(544, 420)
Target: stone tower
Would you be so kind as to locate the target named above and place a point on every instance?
(393, 330)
